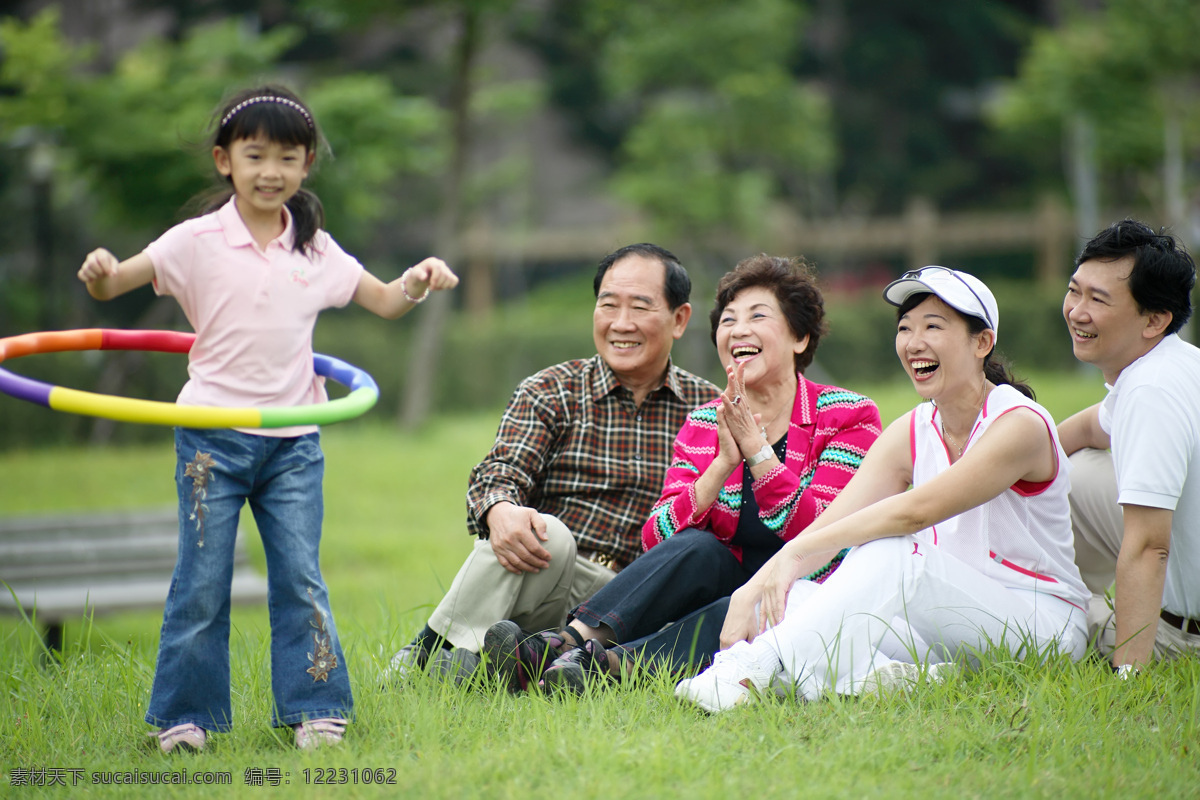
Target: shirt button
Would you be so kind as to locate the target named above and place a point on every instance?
(639, 417)
(637, 458)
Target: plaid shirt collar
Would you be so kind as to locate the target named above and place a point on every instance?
(604, 380)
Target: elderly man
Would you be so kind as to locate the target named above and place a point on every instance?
(559, 501)
(1129, 296)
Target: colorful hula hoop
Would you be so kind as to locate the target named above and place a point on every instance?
(363, 391)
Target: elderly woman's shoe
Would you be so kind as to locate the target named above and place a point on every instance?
(517, 657)
(575, 668)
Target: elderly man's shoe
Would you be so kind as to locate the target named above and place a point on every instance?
(456, 665)
(408, 661)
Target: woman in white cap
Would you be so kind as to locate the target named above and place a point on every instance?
(959, 522)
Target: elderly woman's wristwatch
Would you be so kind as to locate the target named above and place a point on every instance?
(761, 456)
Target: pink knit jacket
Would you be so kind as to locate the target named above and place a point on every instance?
(829, 433)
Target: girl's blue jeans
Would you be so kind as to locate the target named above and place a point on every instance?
(217, 471)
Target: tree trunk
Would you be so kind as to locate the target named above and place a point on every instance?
(41, 178)
(1083, 176)
(426, 347)
(1173, 170)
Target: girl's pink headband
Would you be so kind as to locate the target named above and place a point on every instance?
(268, 98)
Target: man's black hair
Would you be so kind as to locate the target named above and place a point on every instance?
(1163, 273)
(678, 286)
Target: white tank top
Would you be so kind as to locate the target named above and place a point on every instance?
(1021, 538)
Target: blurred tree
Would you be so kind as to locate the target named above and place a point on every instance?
(1122, 82)
(35, 58)
(720, 130)
(908, 83)
(465, 26)
(132, 140)
(904, 86)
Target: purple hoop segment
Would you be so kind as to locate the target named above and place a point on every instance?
(363, 390)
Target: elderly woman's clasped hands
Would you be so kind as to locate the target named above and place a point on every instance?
(739, 431)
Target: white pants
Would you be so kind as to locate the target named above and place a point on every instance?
(893, 601)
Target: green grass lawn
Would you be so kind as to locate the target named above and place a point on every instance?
(394, 537)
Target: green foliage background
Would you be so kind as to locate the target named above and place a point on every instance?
(710, 119)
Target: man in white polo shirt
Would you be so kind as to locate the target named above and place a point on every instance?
(1136, 512)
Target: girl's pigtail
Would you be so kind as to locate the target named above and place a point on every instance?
(308, 217)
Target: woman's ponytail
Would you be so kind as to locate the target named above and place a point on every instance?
(996, 370)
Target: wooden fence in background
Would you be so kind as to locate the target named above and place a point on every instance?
(921, 235)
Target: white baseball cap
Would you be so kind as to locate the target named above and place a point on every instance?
(958, 290)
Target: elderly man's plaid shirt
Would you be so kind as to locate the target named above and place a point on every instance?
(573, 444)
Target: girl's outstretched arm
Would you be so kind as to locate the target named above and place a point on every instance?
(397, 298)
(107, 278)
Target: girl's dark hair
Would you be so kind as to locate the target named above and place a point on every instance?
(995, 366)
(279, 115)
(794, 285)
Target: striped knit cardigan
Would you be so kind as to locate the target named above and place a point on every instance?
(829, 433)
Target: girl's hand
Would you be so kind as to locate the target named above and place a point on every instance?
(430, 274)
(741, 620)
(98, 265)
(106, 277)
(401, 295)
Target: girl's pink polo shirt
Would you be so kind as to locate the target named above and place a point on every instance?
(253, 310)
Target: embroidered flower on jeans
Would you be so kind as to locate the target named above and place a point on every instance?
(199, 469)
(323, 660)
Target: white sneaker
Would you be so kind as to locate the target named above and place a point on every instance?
(186, 737)
(735, 677)
(902, 676)
(939, 672)
(319, 732)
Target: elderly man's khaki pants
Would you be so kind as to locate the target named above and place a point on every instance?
(483, 592)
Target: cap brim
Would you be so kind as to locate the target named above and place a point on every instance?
(900, 290)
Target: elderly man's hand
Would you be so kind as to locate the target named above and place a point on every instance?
(516, 534)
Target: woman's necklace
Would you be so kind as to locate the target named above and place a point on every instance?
(946, 434)
(773, 421)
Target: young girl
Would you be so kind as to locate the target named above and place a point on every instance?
(978, 553)
(251, 274)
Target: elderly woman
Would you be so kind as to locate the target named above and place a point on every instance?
(958, 520)
(750, 471)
